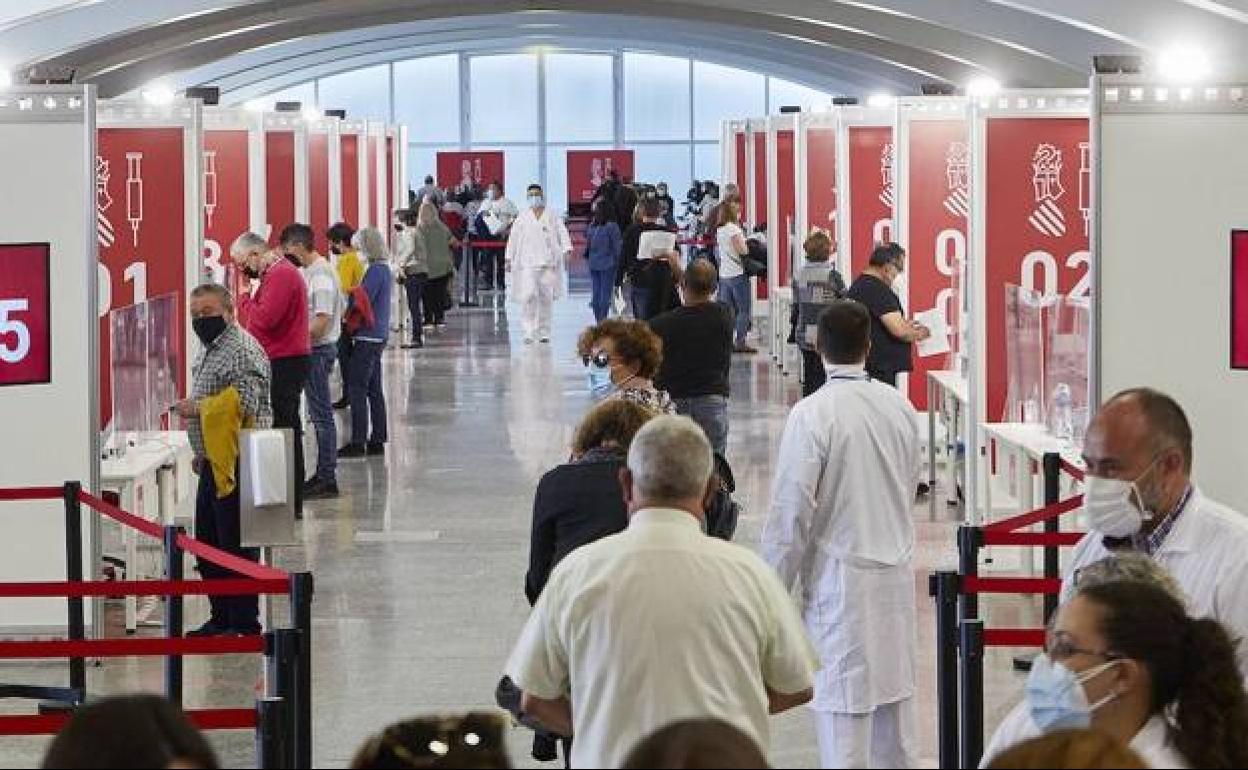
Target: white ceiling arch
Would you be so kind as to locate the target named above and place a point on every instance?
(865, 44)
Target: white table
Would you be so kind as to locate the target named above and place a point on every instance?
(150, 481)
(1026, 444)
(947, 397)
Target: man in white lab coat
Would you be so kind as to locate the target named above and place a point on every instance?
(537, 253)
(841, 525)
(1140, 499)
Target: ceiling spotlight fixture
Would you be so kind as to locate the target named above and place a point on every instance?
(256, 105)
(938, 89)
(982, 86)
(844, 101)
(881, 100)
(158, 94)
(1117, 64)
(1184, 64)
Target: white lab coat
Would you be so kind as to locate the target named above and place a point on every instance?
(1152, 743)
(1207, 553)
(499, 214)
(841, 524)
(537, 252)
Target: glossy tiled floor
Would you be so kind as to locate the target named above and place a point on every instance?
(420, 564)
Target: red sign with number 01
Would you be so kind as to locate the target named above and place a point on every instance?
(25, 314)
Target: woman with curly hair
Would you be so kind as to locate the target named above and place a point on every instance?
(1124, 658)
(622, 358)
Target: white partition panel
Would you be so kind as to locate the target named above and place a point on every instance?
(1172, 173)
(47, 145)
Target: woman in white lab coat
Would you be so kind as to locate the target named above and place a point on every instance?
(1125, 658)
(537, 253)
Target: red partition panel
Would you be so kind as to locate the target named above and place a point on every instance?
(871, 191)
(351, 179)
(480, 168)
(1037, 219)
(279, 163)
(141, 223)
(939, 206)
(821, 180)
(381, 217)
(588, 169)
(786, 172)
(318, 180)
(739, 179)
(25, 314)
(1239, 299)
(227, 197)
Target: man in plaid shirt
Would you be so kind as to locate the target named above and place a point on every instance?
(230, 357)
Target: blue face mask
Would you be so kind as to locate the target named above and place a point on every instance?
(1055, 695)
(600, 384)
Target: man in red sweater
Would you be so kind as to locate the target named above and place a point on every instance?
(277, 316)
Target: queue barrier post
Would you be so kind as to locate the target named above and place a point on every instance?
(944, 588)
(1052, 466)
(77, 627)
(302, 588)
(282, 651)
(271, 743)
(469, 263)
(970, 541)
(174, 615)
(971, 651)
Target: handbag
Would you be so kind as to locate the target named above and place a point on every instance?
(723, 513)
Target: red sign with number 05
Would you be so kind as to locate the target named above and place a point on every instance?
(25, 314)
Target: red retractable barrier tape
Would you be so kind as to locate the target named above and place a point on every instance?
(204, 719)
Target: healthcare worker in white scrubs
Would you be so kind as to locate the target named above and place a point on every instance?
(841, 526)
(537, 253)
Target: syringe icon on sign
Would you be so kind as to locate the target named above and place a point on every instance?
(134, 192)
(210, 184)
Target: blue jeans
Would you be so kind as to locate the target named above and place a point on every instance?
(736, 294)
(321, 412)
(641, 303)
(711, 414)
(604, 287)
(368, 402)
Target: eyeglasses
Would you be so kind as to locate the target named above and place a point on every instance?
(1061, 648)
(601, 359)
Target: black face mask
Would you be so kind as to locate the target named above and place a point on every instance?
(209, 328)
(292, 259)
(335, 251)
(251, 272)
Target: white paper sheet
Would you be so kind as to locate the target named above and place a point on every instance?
(654, 243)
(938, 343)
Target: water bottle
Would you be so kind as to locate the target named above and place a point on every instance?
(1061, 421)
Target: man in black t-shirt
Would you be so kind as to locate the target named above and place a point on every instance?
(697, 353)
(892, 334)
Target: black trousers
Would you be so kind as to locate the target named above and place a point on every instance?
(345, 346)
(289, 377)
(814, 375)
(217, 525)
(437, 299)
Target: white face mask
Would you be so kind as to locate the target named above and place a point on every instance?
(536, 201)
(1111, 510)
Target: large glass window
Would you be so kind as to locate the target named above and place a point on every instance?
(426, 98)
(708, 161)
(664, 163)
(724, 93)
(784, 93)
(422, 161)
(504, 98)
(580, 98)
(362, 93)
(522, 171)
(656, 97)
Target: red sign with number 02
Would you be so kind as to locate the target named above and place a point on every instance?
(25, 314)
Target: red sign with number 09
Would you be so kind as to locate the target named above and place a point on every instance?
(25, 314)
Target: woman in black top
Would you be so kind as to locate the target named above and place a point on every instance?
(581, 502)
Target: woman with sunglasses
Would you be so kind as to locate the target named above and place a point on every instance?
(1124, 658)
(622, 358)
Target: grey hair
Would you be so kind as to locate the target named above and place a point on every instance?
(670, 460)
(1129, 567)
(372, 244)
(214, 290)
(248, 242)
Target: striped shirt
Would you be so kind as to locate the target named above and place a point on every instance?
(234, 358)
